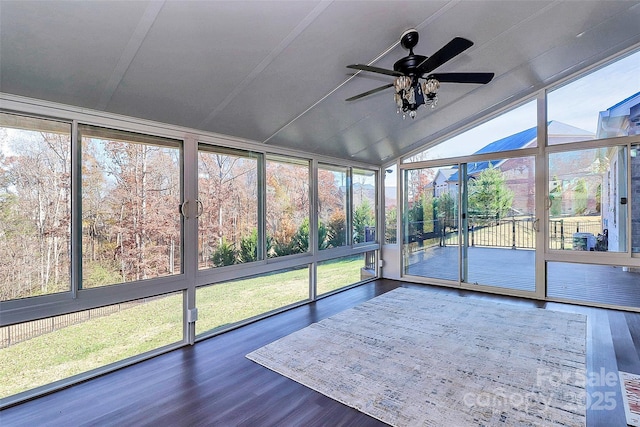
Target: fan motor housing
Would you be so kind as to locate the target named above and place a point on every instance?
(409, 64)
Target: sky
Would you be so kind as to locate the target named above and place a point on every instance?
(577, 103)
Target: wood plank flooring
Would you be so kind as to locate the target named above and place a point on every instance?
(213, 384)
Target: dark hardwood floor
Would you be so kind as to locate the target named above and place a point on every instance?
(213, 384)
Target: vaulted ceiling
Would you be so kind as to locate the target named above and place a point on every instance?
(274, 71)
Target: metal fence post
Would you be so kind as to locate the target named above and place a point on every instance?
(473, 242)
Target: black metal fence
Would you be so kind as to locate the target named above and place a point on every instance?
(514, 233)
(14, 334)
(561, 232)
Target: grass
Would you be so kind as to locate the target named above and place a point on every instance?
(332, 275)
(103, 340)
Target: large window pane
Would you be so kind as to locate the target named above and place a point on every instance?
(287, 206)
(430, 223)
(501, 218)
(35, 206)
(513, 130)
(131, 191)
(340, 272)
(332, 206)
(635, 198)
(601, 284)
(601, 104)
(364, 206)
(588, 200)
(40, 352)
(223, 304)
(390, 206)
(228, 193)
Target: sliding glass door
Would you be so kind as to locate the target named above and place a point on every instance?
(472, 223)
(499, 248)
(430, 223)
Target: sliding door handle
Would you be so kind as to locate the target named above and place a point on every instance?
(183, 208)
(200, 208)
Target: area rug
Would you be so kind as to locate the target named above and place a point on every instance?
(631, 397)
(416, 358)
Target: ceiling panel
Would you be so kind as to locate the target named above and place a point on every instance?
(274, 71)
(63, 51)
(197, 52)
(315, 63)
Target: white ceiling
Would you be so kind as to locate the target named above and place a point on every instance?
(274, 71)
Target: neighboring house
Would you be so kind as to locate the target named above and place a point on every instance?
(621, 119)
(519, 173)
(442, 184)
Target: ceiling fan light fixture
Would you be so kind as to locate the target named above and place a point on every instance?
(430, 86)
(414, 85)
(402, 83)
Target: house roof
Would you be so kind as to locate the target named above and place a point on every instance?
(517, 141)
(624, 101)
(511, 142)
(446, 173)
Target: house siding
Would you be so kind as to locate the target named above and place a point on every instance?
(635, 207)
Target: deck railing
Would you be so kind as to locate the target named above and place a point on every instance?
(561, 232)
(514, 233)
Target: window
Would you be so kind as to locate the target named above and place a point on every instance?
(131, 189)
(42, 351)
(593, 283)
(635, 198)
(332, 206)
(600, 104)
(35, 206)
(513, 130)
(228, 194)
(288, 206)
(364, 206)
(391, 205)
(588, 200)
(340, 272)
(430, 222)
(223, 304)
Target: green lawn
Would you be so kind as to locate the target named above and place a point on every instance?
(103, 340)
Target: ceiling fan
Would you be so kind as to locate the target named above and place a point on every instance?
(414, 83)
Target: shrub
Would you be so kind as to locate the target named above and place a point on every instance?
(224, 254)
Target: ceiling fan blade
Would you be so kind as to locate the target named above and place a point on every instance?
(479, 78)
(375, 70)
(369, 92)
(452, 49)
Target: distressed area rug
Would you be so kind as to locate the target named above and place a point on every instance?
(416, 358)
(631, 397)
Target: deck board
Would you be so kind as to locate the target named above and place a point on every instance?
(514, 269)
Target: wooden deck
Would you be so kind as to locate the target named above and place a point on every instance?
(213, 384)
(514, 269)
